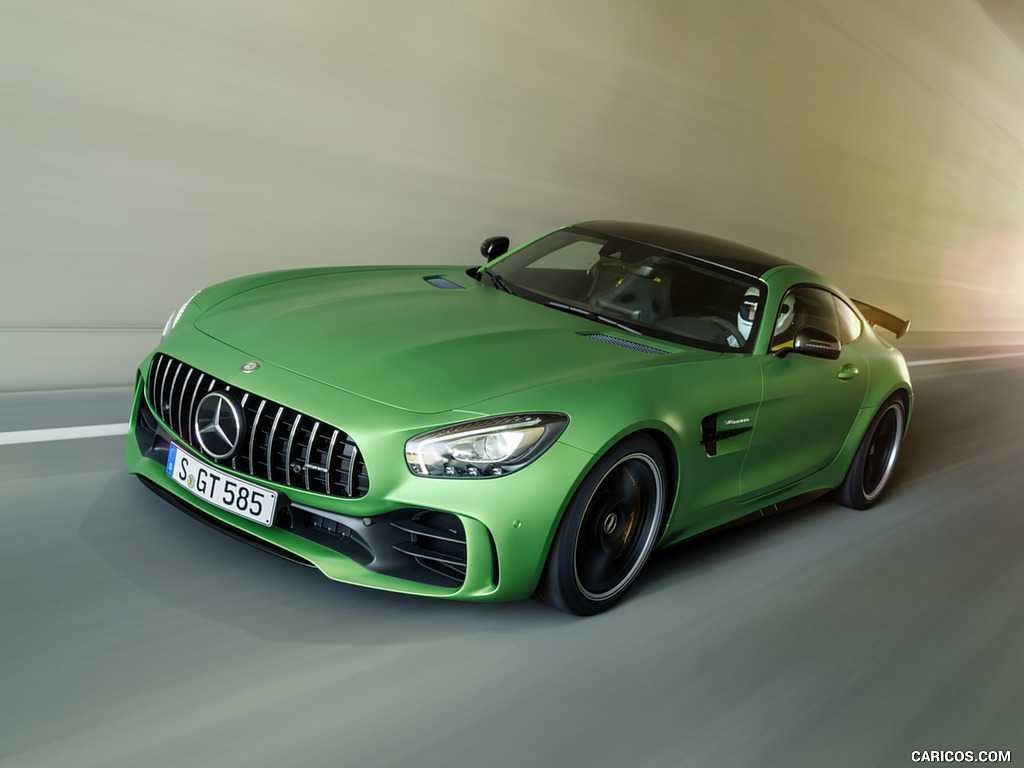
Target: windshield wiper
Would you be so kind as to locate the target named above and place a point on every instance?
(591, 315)
(498, 280)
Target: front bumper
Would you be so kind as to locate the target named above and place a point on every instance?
(484, 539)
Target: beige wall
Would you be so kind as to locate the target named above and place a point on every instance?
(150, 148)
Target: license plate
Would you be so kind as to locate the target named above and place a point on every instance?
(247, 500)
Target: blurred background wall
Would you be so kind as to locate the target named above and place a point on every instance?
(150, 148)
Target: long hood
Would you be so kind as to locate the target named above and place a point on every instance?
(389, 335)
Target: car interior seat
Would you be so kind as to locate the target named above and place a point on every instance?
(641, 294)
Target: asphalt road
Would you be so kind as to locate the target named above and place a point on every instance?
(132, 635)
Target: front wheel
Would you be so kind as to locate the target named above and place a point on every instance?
(609, 530)
(875, 458)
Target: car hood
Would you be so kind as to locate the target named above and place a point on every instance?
(390, 335)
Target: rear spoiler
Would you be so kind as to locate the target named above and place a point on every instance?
(880, 317)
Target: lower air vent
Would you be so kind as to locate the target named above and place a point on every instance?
(624, 343)
(420, 545)
(437, 542)
(443, 283)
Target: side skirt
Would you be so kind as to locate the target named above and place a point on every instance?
(772, 509)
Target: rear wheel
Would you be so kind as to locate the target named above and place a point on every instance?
(873, 464)
(609, 530)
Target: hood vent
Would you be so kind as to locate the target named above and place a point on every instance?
(624, 343)
(443, 283)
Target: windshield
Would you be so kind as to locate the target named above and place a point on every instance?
(637, 287)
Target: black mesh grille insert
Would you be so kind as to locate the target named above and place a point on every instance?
(277, 444)
(624, 343)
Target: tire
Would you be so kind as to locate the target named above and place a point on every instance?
(875, 459)
(609, 530)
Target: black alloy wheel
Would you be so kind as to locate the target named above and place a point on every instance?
(609, 530)
(873, 464)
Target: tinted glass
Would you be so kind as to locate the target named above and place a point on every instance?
(849, 323)
(803, 307)
(649, 290)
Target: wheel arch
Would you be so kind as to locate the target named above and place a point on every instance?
(555, 587)
(672, 469)
(851, 491)
(908, 403)
(670, 454)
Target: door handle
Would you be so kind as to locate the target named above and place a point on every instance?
(848, 371)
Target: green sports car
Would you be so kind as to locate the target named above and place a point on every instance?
(535, 426)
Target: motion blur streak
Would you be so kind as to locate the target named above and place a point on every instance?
(24, 436)
(966, 359)
(133, 635)
(149, 149)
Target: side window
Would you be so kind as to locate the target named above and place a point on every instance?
(802, 307)
(849, 323)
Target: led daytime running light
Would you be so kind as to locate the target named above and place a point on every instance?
(484, 448)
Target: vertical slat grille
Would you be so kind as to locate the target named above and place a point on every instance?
(279, 444)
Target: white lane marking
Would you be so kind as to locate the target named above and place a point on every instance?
(106, 430)
(61, 433)
(970, 359)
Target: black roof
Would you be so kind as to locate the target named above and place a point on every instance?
(740, 258)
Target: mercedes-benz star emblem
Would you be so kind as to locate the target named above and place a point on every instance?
(250, 367)
(219, 425)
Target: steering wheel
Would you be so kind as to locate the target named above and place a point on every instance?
(731, 333)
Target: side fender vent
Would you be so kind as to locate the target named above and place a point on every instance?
(624, 343)
(443, 283)
(711, 435)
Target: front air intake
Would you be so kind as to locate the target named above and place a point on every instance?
(437, 542)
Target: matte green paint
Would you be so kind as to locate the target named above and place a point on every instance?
(385, 356)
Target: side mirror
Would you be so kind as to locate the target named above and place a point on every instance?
(814, 342)
(493, 247)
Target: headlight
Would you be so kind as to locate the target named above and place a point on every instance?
(484, 448)
(176, 316)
